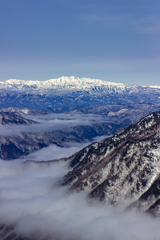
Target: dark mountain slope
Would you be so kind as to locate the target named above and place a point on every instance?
(17, 140)
(121, 168)
(13, 146)
(11, 118)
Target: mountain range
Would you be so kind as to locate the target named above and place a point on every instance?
(120, 104)
(16, 139)
(69, 91)
(120, 170)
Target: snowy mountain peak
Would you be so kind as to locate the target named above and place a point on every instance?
(81, 83)
(67, 83)
(69, 91)
(155, 86)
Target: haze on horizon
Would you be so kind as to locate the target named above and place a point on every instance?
(114, 40)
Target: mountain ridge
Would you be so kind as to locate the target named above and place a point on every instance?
(124, 168)
(69, 91)
(65, 82)
(60, 83)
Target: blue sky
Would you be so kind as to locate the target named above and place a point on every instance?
(114, 40)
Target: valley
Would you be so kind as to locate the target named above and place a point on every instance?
(77, 155)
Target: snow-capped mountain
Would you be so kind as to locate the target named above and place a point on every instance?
(154, 86)
(62, 83)
(69, 91)
(123, 169)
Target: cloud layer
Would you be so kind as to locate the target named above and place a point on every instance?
(53, 152)
(32, 200)
(52, 122)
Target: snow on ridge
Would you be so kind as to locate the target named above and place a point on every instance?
(22, 82)
(62, 83)
(83, 82)
(155, 86)
(80, 81)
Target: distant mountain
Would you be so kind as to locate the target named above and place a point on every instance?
(11, 117)
(63, 83)
(20, 112)
(69, 91)
(123, 169)
(155, 86)
(119, 113)
(23, 142)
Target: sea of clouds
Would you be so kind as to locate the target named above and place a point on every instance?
(52, 122)
(34, 202)
(53, 151)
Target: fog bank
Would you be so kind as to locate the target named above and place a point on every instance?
(53, 122)
(32, 200)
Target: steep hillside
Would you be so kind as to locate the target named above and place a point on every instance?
(122, 169)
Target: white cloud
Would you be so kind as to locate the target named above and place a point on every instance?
(52, 122)
(31, 199)
(53, 152)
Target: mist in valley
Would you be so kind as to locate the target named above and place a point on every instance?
(34, 203)
(32, 200)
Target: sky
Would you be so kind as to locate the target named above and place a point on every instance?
(112, 40)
